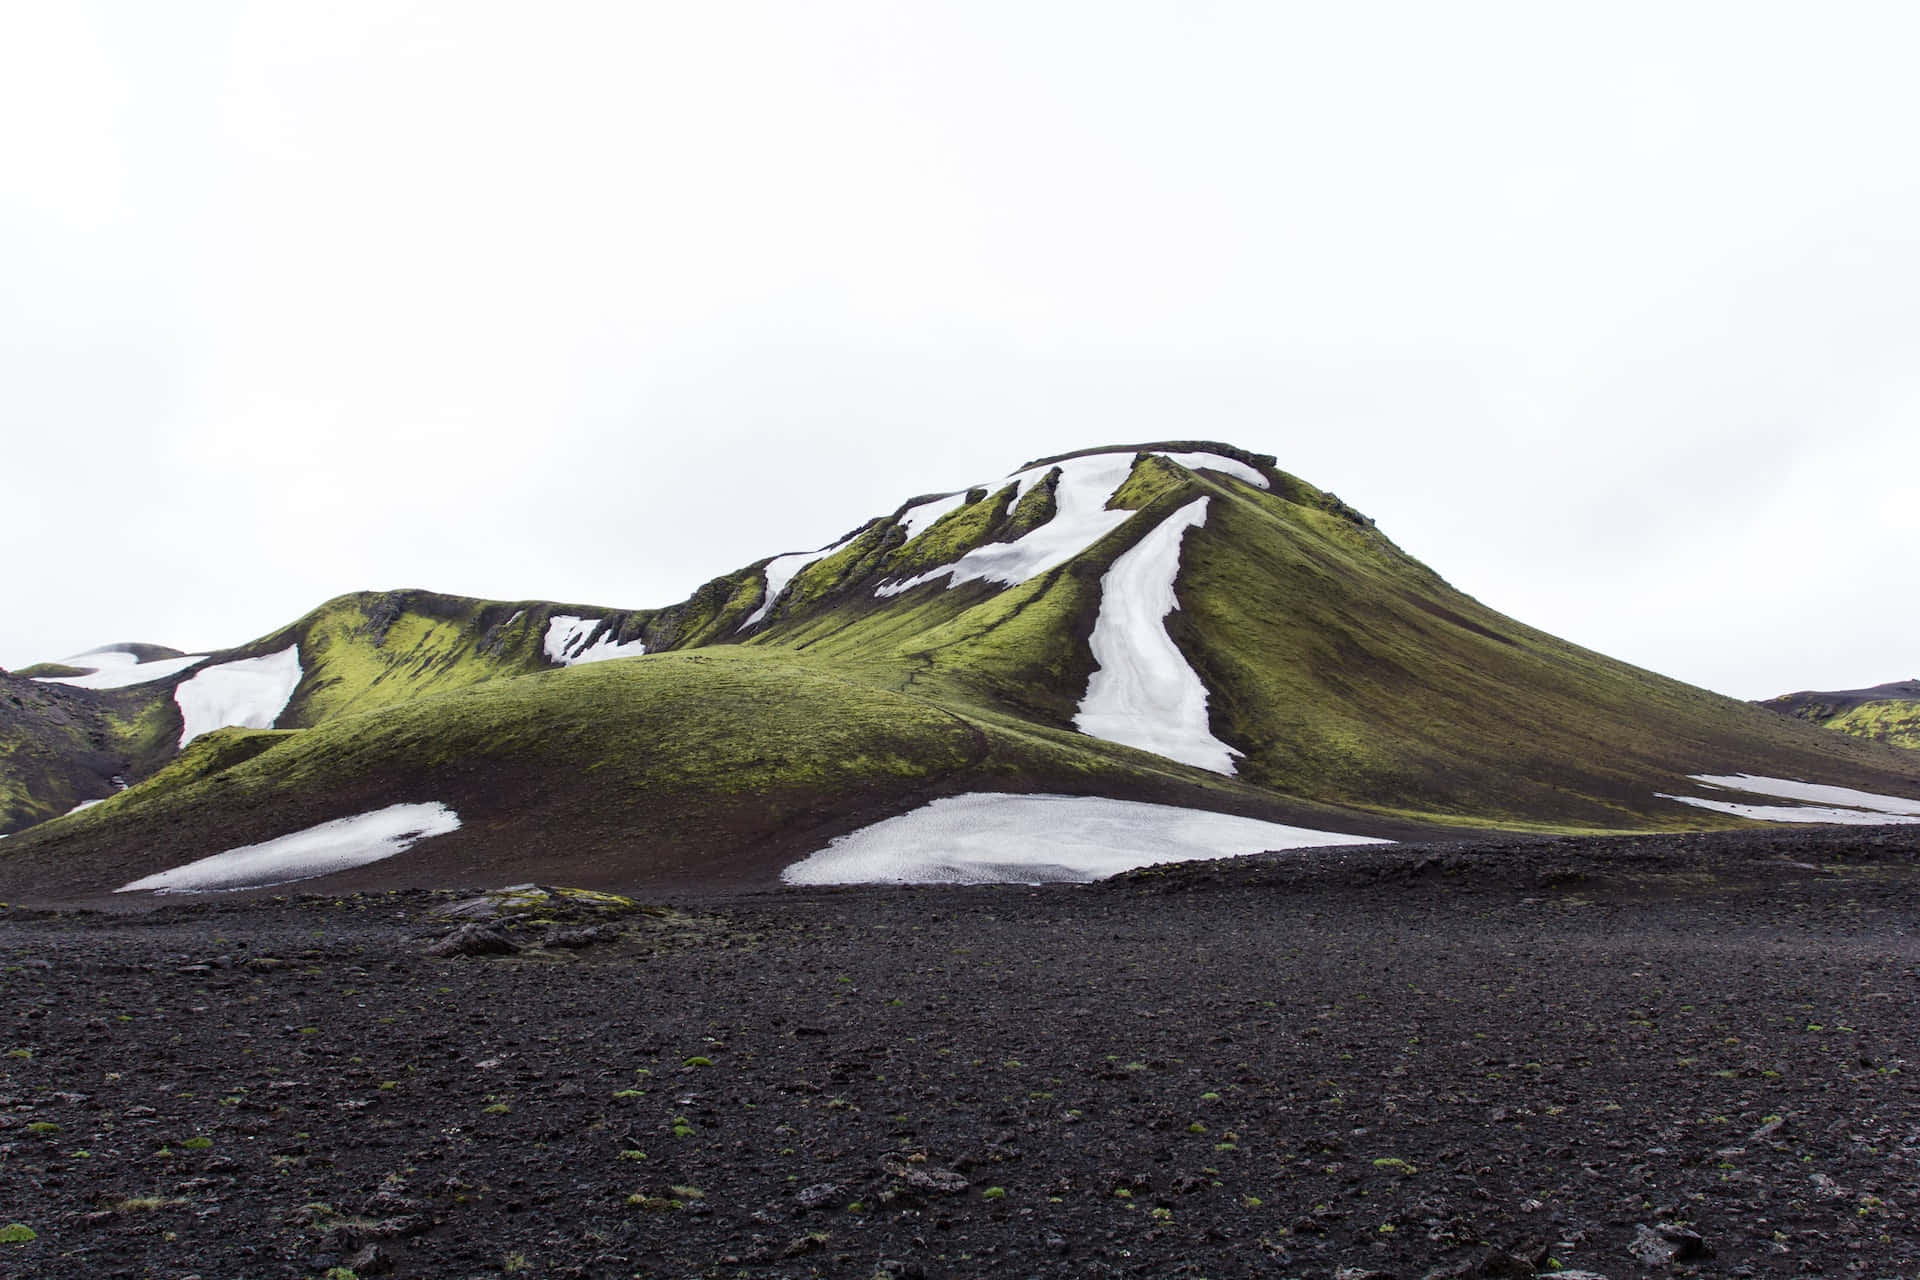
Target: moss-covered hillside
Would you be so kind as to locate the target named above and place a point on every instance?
(942, 647)
(1888, 713)
(715, 766)
(60, 746)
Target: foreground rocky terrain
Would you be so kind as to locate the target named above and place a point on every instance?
(1627, 1057)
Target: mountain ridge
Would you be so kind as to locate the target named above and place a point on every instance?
(1350, 685)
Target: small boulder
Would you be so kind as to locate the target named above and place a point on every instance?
(577, 938)
(1688, 1245)
(1666, 1244)
(371, 1261)
(817, 1195)
(1649, 1248)
(938, 1181)
(474, 940)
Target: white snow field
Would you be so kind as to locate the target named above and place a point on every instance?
(316, 851)
(780, 570)
(566, 642)
(987, 838)
(248, 693)
(1143, 693)
(1080, 519)
(1861, 808)
(117, 669)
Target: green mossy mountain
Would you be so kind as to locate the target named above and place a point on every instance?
(60, 746)
(1888, 713)
(1361, 691)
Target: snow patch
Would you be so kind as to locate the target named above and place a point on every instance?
(1143, 693)
(918, 519)
(1791, 813)
(1818, 793)
(333, 846)
(1855, 808)
(1215, 462)
(1080, 519)
(118, 669)
(985, 838)
(248, 693)
(568, 642)
(781, 570)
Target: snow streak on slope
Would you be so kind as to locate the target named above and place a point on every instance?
(567, 637)
(1216, 462)
(1080, 519)
(1862, 808)
(118, 669)
(1786, 789)
(780, 570)
(1143, 693)
(248, 693)
(316, 851)
(986, 838)
(916, 520)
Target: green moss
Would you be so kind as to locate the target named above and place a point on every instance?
(366, 652)
(711, 614)
(1034, 509)
(970, 525)
(18, 1233)
(819, 580)
(50, 671)
(1152, 478)
(641, 766)
(1351, 674)
(1895, 722)
(214, 752)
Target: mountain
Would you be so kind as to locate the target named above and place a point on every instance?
(1887, 713)
(1162, 631)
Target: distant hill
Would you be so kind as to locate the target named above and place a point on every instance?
(1888, 713)
(1181, 623)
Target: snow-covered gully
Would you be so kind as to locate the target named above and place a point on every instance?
(247, 693)
(1143, 693)
(1081, 518)
(568, 637)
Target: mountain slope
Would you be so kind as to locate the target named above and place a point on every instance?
(1265, 650)
(1888, 713)
(720, 765)
(62, 746)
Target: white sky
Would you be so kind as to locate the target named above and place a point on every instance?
(1608, 312)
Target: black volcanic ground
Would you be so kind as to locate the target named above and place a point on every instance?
(1631, 1057)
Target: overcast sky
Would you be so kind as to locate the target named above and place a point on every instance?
(1608, 312)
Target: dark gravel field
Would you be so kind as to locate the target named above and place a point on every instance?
(1691, 1055)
